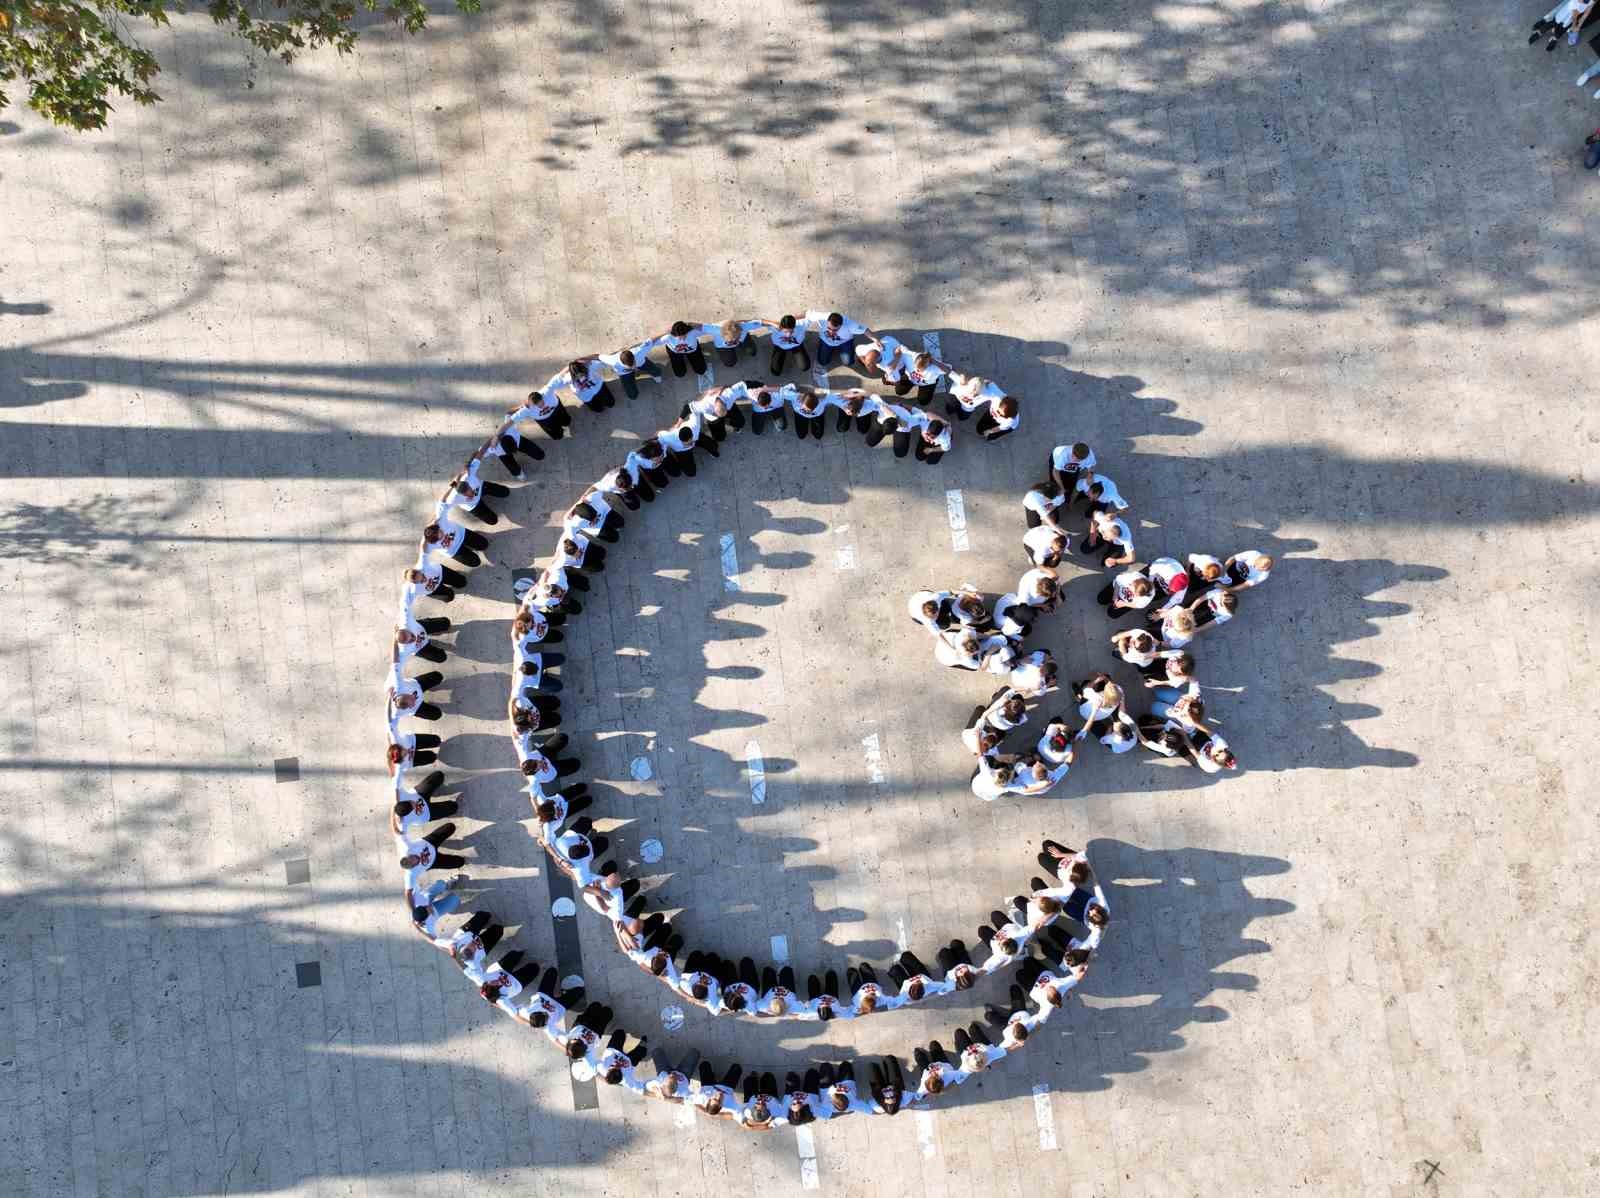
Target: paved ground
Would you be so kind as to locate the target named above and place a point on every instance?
(1312, 278)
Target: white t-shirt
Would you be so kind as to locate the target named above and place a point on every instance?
(1213, 599)
(451, 537)
(944, 438)
(1002, 613)
(847, 331)
(1122, 735)
(1250, 559)
(613, 361)
(990, 782)
(1028, 676)
(1203, 761)
(1168, 573)
(587, 385)
(1041, 541)
(1042, 504)
(541, 404)
(794, 338)
(1115, 531)
(914, 606)
(972, 391)
(1061, 459)
(1122, 590)
(1136, 657)
(1030, 584)
(1197, 567)
(1047, 750)
(1171, 638)
(690, 341)
(746, 327)
(923, 378)
(959, 649)
(1109, 493)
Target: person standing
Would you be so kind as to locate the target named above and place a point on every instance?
(682, 343)
(836, 336)
(628, 363)
(730, 335)
(788, 337)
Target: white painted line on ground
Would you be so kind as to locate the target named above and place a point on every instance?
(780, 949)
(806, 1144)
(901, 940)
(707, 380)
(872, 748)
(956, 509)
(844, 552)
(757, 770)
(925, 1132)
(730, 563)
(1044, 1118)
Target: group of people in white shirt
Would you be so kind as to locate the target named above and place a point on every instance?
(533, 994)
(969, 634)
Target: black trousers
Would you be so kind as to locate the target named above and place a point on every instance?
(877, 430)
(682, 363)
(432, 653)
(846, 352)
(728, 355)
(555, 424)
(759, 420)
(601, 399)
(812, 426)
(435, 625)
(444, 808)
(987, 425)
(927, 453)
(780, 358)
(511, 447)
(902, 442)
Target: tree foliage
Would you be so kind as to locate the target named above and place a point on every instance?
(76, 58)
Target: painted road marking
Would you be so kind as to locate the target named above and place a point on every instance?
(757, 770)
(806, 1144)
(730, 562)
(925, 1132)
(873, 750)
(1043, 1117)
(956, 509)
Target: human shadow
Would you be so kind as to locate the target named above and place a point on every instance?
(243, 1013)
(1180, 916)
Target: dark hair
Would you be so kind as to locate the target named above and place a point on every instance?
(1079, 873)
(659, 963)
(430, 532)
(579, 851)
(1075, 957)
(1080, 449)
(546, 811)
(733, 1001)
(1006, 406)
(626, 358)
(1005, 944)
(934, 1082)
(538, 1018)
(1019, 1030)
(835, 318)
(419, 914)
(824, 1011)
(575, 1049)
(1048, 905)
(680, 328)
(403, 806)
(700, 990)
(916, 989)
(685, 435)
(786, 321)
(612, 1076)
(529, 768)
(578, 368)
